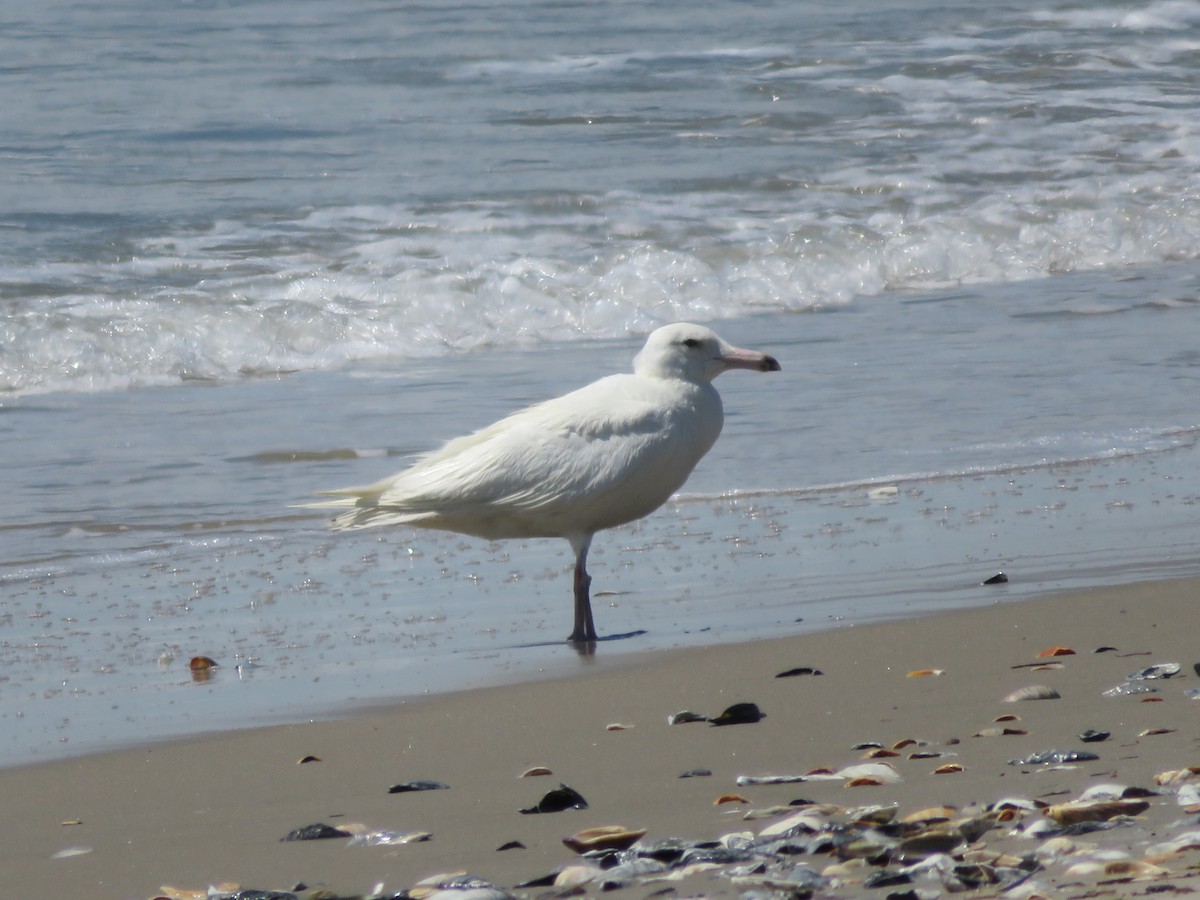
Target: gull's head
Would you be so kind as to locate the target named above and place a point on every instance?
(695, 353)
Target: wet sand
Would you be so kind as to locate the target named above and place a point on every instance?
(213, 809)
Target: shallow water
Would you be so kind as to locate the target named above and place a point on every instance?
(838, 494)
(255, 251)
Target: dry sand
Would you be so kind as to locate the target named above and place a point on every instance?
(213, 809)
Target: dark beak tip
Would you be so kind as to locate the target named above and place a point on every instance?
(771, 364)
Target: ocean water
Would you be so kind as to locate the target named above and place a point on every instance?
(253, 250)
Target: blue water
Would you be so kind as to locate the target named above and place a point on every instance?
(252, 250)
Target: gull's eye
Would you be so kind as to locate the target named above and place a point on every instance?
(691, 343)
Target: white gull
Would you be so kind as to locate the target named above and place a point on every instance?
(598, 457)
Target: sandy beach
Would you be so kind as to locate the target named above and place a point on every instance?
(213, 810)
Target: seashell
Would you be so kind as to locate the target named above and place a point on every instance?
(574, 876)
(998, 578)
(388, 838)
(535, 772)
(863, 781)
(884, 492)
(925, 673)
(948, 769)
(696, 773)
(873, 815)
(1158, 670)
(1151, 700)
(999, 732)
(316, 832)
(1016, 803)
(1091, 736)
(1046, 667)
(68, 852)
(1007, 717)
(807, 822)
(604, 837)
(1094, 810)
(1130, 868)
(455, 884)
(867, 745)
(905, 742)
(879, 753)
(1104, 792)
(510, 845)
(72, 822)
(801, 670)
(927, 754)
(749, 780)
(617, 726)
(730, 798)
(872, 773)
(308, 759)
(938, 838)
(1054, 651)
(739, 714)
(1033, 692)
(685, 716)
(409, 787)
(1129, 689)
(1055, 849)
(1152, 731)
(561, 798)
(200, 663)
(1178, 776)
(1054, 757)
(932, 814)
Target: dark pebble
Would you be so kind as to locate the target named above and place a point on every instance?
(1092, 736)
(317, 832)
(410, 786)
(562, 797)
(740, 714)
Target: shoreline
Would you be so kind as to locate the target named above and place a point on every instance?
(213, 809)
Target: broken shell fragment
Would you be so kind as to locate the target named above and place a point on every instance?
(729, 798)
(948, 769)
(1054, 651)
(925, 673)
(685, 716)
(617, 726)
(535, 772)
(604, 837)
(409, 787)
(318, 831)
(1129, 689)
(1054, 757)
(1158, 670)
(1033, 692)
(1092, 736)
